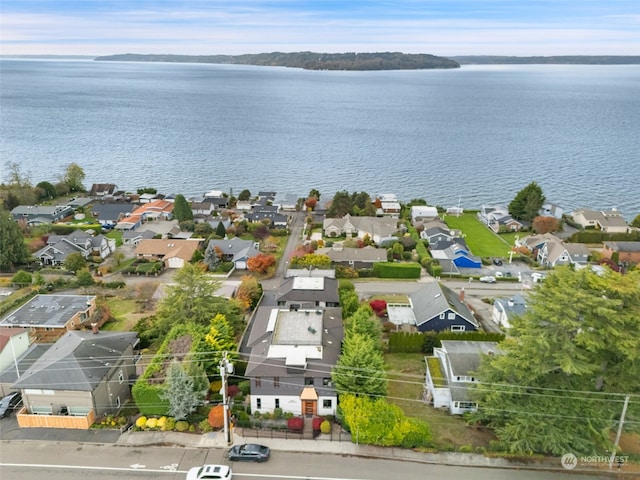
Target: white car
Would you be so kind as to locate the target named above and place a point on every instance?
(537, 277)
(210, 472)
(488, 279)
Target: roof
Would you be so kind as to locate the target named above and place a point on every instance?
(514, 305)
(623, 246)
(272, 348)
(78, 361)
(465, 356)
(168, 248)
(345, 254)
(309, 290)
(53, 311)
(231, 246)
(433, 299)
(24, 362)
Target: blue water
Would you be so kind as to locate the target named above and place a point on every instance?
(475, 135)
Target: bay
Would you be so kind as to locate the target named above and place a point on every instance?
(475, 135)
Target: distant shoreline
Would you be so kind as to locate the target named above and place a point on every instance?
(296, 60)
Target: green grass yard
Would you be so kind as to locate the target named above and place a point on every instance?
(406, 374)
(482, 241)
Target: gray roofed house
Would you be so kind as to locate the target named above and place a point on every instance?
(354, 257)
(41, 214)
(291, 354)
(278, 220)
(504, 309)
(25, 360)
(626, 252)
(235, 250)
(103, 190)
(456, 363)
(376, 228)
(437, 308)
(287, 202)
(308, 292)
(49, 316)
(59, 247)
(112, 212)
(609, 221)
(83, 373)
(134, 237)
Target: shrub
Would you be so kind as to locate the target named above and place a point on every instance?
(465, 449)
(316, 423)
(295, 424)
(216, 416)
(204, 426)
(141, 422)
(182, 426)
(233, 390)
(277, 413)
(152, 423)
(245, 387)
(170, 423)
(325, 427)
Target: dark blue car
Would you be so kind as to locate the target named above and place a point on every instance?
(251, 452)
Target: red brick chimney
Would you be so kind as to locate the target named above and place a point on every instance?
(94, 328)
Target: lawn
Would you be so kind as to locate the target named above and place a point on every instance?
(126, 311)
(406, 374)
(480, 239)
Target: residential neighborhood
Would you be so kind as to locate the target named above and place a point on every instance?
(299, 314)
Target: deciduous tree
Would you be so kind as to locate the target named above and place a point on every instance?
(545, 224)
(75, 262)
(360, 368)
(73, 177)
(261, 263)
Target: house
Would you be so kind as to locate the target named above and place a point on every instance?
(498, 219)
(434, 307)
(286, 202)
(84, 374)
(111, 213)
(423, 213)
(376, 228)
(504, 309)
(308, 292)
(155, 210)
(59, 247)
(217, 198)
(354, 257)
(103, 190)
(389, 205)
(452, 370)
(291, 353)
(436, 231)
(275, 219)
(457, 252)
(550, 251)
(173, 253)
(622, 252)
(48, 317)
(41, 214)
(551, 210)
(202, 211)
(134, 237)
(234, 250)
(608, 221)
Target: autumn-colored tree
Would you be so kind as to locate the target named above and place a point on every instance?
(545, 224)
(311, 203)
(311, 260)
(249, 292)
(261, 232)
(216, 416)
(378, 306)
(261, 263)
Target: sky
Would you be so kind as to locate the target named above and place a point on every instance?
(233, 27)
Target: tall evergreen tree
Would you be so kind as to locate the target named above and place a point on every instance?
(360, 368)
(182, 209)
(13, 250)
(527, 202)
(559, 385)
(181, 392)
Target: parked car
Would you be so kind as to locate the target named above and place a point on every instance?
(497, 261)
(499, 274)
(537, 277)
(251, 452)
(9, 403)
(210, 472)
(488, 279)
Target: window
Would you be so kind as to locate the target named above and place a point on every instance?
(442, 316)
(120, 376)
(326, 382)
(451, 315)
(258, 404)
(276, 382)
(258, 383)
(308, 380)
(277, 403)
(457, 328)
(117, 402)
(326, 403)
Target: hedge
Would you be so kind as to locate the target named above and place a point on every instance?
(396, 270)
(424, 342)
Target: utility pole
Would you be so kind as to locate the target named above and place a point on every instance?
(615, 445)
(226, 368)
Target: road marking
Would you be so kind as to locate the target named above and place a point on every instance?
(137, 465)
